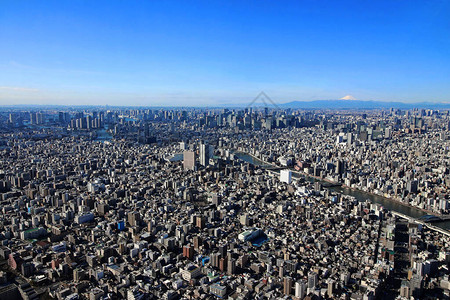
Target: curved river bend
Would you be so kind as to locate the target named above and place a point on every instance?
(359, 195)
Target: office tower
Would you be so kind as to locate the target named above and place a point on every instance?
(33, 119)
(330, 288)
(340, 167)
(39, 118)
(243, 260)
(286, 176)
(12, 118)
(188, 252)
(287, 286)
(88, 122)
(223, 250)
(197, 242)
(281, 271)
(216, 199)
(412, 186)
(215, 258)
(349, 139)
(387, 133)
(312, 280)
(133, 218)
(404, 289)
(231, 266)
(222, 265)
(244, 220)
(415, 286)
(300, 288)
(189, 160)
(61, 117)
(200, 222)
(83, 123)
(204, 154)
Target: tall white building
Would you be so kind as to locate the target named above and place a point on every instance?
(189, 160)
(300, 288)
(204, 154)
(286, 176)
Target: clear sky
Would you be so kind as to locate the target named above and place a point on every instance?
(214, 52)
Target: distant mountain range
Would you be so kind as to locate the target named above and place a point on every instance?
(316, 104)
(359, 104)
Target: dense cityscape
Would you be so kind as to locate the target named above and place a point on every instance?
(234, 150)
(244, 203)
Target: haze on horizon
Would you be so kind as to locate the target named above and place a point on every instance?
(174, 53)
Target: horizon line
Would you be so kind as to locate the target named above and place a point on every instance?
(228, 105)
(280, 103)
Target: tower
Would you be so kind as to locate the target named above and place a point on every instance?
(189, 160)
(300, 289)
(287, 286)
(204, 154)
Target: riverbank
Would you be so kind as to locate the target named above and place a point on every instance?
(430, 226)
(369, 193)
(389, 203)
(318, 178)
(254, 157)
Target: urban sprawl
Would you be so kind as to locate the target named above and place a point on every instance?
(255, 203)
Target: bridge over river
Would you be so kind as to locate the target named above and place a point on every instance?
(390, 204)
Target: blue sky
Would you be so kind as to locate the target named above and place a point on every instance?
(216, 52)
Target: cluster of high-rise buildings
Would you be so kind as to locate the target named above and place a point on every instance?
(383, 153)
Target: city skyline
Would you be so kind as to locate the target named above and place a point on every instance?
(211, 54)
(183, 203)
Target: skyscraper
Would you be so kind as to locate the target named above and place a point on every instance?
(134, 218)
(188, 251)
(300, 288)
(286, 176)
(204, 154)
(330, 288)
(189, 160)
(287, 287)
(12, 118)
(33, 119)
(312, 280)
(231, 266)
(223, 250)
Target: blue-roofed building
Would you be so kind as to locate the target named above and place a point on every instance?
(121, 225)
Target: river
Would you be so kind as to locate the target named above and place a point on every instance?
(103, 134)
(359, 195)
